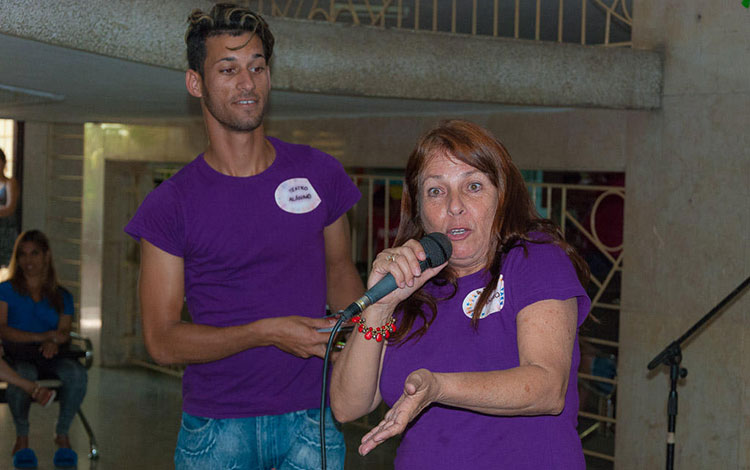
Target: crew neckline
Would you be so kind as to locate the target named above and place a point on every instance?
(211, 171)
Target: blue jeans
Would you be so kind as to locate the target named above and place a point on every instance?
(282, 442)
(74, 382)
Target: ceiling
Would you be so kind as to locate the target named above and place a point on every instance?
(39, 81)
(42, 82)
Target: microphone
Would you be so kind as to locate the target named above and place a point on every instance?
(438, 249)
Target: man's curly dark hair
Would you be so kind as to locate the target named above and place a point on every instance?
(224, 18)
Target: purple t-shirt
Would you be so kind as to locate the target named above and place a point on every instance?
(253, 248)
(447, 438)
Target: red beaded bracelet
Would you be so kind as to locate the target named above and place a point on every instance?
(378, 333)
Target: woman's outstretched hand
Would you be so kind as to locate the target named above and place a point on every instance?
(420, 390)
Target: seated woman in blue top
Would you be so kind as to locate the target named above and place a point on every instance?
(36, 315)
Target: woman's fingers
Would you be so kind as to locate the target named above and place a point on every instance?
(395, 263)
(394, 422)
(401, 262)
(385, 430)
(48, 349)
(413, 253)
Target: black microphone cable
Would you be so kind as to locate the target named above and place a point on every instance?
(334, 331)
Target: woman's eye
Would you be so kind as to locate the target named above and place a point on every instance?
(433, 192)
(475, 187)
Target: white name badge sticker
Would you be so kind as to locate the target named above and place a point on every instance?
(297, 196)
(495, 304)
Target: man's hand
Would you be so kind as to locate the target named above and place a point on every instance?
(298, 335)
(420, 389)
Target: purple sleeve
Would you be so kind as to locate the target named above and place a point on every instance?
(342, 192)
(546, 273)
(160, 220)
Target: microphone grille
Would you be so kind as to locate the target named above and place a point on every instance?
(437, 246)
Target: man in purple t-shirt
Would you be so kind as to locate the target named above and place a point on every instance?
(253, 236)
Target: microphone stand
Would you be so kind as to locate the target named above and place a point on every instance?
(672, 356)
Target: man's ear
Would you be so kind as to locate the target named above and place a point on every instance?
(194, 83)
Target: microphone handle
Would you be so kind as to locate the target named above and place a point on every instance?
(382, 288)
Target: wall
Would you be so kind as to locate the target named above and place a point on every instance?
(686, 231)
(109, 260)
(34, 190)
(51, 194)
(551, 139)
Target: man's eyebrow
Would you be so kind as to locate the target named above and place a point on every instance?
(234, 59)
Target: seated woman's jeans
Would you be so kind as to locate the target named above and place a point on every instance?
(282, 442)
(74, 378)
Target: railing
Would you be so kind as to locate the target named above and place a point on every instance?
(582, 211)
(591, 217)
(587, 22)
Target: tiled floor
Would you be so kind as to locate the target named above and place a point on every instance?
(135, 414)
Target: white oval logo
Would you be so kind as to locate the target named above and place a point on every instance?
(495, 303)
(297, 196)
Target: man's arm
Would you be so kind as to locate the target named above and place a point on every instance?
(343, 281)
(171, 341)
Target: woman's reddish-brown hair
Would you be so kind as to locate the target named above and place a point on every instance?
(515, 219)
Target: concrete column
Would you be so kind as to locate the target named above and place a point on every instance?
(687, 221)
